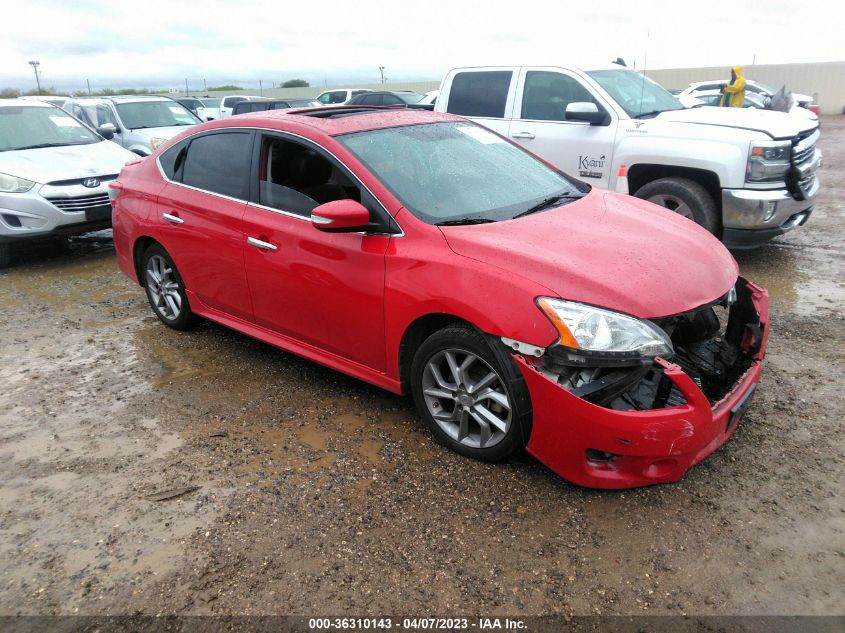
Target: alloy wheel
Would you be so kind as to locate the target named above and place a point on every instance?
(164, 288)
(673, 203)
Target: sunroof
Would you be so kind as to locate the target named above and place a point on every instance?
(338, 112)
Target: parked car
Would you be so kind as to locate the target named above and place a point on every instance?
(227, 104)
(273, 104)
(341, 96)
(405, 98)
(209, 110)
(430, 98)
(192, 103)
(425, 254)
(55, 100)
(752, 100)
(53, 174)
(745, 175)
(802, 100)
(138, 123)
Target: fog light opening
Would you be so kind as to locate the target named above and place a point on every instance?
(600, 457)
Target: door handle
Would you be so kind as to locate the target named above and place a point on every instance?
(175, 219)
(525, 135)
(264, 246)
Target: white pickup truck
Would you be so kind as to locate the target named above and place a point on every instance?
(746, 175)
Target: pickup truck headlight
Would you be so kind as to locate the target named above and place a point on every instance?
(13, 184)
(768, 161)
(604, 334)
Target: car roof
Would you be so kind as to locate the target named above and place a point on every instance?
(122, 98)
(346, 119)
(31, 103)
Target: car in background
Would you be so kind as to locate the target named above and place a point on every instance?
(427, 255)
(138, 123)
(340, 96)
(209, 110)
(405, 98)
(227, 104)
(54, 172)
(56, 100)
(244, 107)
(801, 100)
(430, 98)
(192, 103)
(752, 100)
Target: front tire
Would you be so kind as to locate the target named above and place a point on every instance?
(5, 254)
(166, 290)
(685, 197)
(471, 394)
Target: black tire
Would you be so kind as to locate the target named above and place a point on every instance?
(5, 254)
(185, 318)
(467, 339)
(692, 194)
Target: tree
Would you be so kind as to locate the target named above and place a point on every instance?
(225, 87)
(10, 93)
(295, 83)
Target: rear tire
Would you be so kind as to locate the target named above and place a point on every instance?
(471, 394)
(166, 290)
(5, 254)
(684, 196)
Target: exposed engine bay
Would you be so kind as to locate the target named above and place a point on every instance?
(714, 345)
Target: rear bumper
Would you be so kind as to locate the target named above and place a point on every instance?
(652, 446)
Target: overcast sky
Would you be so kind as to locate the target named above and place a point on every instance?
(156, 44)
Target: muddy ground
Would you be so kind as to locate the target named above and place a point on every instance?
(321, 495)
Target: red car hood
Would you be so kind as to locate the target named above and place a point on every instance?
(607, 250)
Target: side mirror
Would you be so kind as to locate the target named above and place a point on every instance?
(585, 111)
(340, 216)
(107, 131)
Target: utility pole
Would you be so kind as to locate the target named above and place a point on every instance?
(88, 81)
(381, 70)
(186, 86)
(35, 66)
(260, 88)
(204, 87)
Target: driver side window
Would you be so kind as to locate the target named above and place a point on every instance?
(546, 95)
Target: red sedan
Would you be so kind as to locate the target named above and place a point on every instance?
(427, 255)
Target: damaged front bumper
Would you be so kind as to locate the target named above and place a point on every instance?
(603, 447)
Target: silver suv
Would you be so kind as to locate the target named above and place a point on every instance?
(138, 123)
(54, 174)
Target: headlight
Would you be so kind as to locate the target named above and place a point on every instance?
(768, 161)
(604, 333)
(155, 141)
(13, 184)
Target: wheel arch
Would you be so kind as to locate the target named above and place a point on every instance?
(416, 332)
(641, 174)
(138, 248)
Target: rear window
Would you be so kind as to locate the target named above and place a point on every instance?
(480, 93)
(219, 163)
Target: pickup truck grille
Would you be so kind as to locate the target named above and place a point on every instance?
(805, 162)
(81, 203)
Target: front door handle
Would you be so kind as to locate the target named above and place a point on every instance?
(525, 135)
(264, 246)
(175, 219)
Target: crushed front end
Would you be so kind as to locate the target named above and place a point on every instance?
(605, 422)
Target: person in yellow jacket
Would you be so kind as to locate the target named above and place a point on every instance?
(733, 94)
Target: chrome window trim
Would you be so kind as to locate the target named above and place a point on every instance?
(260, 206)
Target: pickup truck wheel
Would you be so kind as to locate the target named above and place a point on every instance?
(165, 289)
(5, 254)
(685, 197)
(472, 396)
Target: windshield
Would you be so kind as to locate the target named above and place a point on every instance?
(210, 103)
(144, 114)
(637, 94)
(457, 171)
(23, 127)
(409, 97)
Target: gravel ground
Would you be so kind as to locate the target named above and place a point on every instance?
(321, 495)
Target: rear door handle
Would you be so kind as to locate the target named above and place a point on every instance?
(525, 135)
(175, 219)
(264, 246)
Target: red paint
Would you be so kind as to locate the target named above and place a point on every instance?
(346, 299)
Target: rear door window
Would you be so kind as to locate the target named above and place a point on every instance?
(219, 163)
(172, 160)
(483, 94)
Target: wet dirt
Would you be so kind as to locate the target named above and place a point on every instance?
(319, 494)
